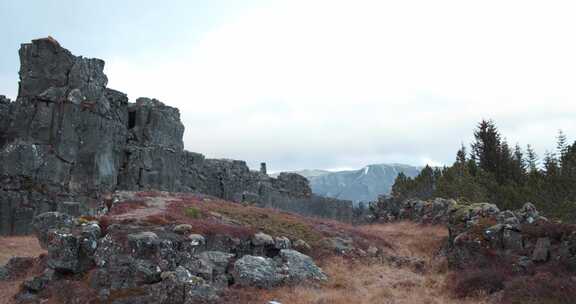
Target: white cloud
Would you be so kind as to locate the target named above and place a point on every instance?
(345, 83)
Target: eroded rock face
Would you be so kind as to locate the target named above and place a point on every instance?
(67, 137)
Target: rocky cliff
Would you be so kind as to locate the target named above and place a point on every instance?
(67, 137)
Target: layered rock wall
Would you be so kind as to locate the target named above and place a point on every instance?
(67, 137)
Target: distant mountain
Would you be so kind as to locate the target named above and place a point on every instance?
(357, 185)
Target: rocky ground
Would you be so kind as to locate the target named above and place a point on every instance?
(236, 254)
(156, 247)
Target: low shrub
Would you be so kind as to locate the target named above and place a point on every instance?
(555, 231)
(193, 212)
(472, 283)
(542, 288)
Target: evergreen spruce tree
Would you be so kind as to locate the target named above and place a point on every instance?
(486, 147)
(531, 159)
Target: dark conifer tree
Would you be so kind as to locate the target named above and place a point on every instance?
(531, 159)
(486, 147)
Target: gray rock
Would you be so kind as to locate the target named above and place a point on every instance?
(339, 245)
(541, 251)
(146, 272)
(300, 267)
(507, 217)
(512, 239)
(494, 235)
(70, 208)
(528, 213)
(257, 271)
(63, 251)
(46, 222)
(181, 287)
(523, 264)
(302, 246)
(197, 240)
(262, 239)
(219, 261)
(373, 251)
(182, 229)
(39, 283)
(282, 242)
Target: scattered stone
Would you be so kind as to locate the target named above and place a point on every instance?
(39, 283)
(63, 251)
(282, 243)
(46, 222)
(339, 245)
(182, 229)
(197, 240)
(512, 239)
(261, 239)
(300, 267)
(528, 213)
(257, 271)
(523, 264)
(373, 251)
(541, 252)
(302, 246)
(218, 261)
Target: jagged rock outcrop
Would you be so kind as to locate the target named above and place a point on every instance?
(69, 138)
(435, 211)
(481, 235)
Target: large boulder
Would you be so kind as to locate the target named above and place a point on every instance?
(44, 223)
(257, 271)
(300, 267)
(71, 244)
(541, 251)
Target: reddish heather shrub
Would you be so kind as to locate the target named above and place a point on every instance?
(150, 194)
(69, 291)
(159, 220)
(542, 288)
(125, 206)
(555, 231)
(207, 227)
(104, 222)
(471, 283)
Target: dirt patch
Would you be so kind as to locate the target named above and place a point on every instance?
(24, 246)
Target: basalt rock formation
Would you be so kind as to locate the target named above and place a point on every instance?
(481, 235)
(67, 137)
(128, 256)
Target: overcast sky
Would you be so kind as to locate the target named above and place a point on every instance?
(325, 84)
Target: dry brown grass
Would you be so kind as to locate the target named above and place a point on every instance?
(368, 281)
(25, 246)
(410, 239)
(16, 246)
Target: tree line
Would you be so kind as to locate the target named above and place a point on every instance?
(493, 171)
